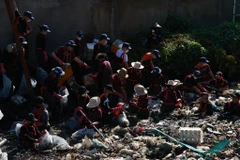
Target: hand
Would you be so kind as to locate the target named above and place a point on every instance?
(94, 123)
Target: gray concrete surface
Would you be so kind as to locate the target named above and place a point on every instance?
(114, 17)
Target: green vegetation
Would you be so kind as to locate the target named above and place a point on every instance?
(184, 43)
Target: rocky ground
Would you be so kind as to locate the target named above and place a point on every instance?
(138, 142)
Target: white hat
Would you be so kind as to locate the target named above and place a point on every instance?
(140, 90)
(122, 72)
(10, 47)
(93, 102)
(137, 65)
(178, 82)
(171, 83)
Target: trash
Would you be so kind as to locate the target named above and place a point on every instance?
(3, 155)
(3, 142)
(1, 115)
(97, 144)
(191, 135)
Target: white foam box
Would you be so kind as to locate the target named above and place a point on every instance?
(117, 44)
(191, 135)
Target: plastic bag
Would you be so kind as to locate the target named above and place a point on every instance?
(41, 75)
(7, 86)
(1, 115)
(63, 91)
(59, 143)
(46, 141)
(23, 88)
(17, 128)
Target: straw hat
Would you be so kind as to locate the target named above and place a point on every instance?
(178, 82)
(171, 83)
(93, 102)
(122, 72)
(137, 65)
(100, 55)
(140, 90)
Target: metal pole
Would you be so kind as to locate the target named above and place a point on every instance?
(234, 10)
(19, 48)
(92, 124)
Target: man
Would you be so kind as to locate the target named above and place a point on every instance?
(121, 59)
(157, 81)
(104, 73)
(41, 46)
(50, 88)
(64, 55)
(169, 98)
(100, 47)
(24, 29)
(10, 63)
(219, 83)
(41, 113)
(94, 114)
(119, 82)
(83, 97)
(205, 107)
(204, 68)
(191, 86)
(134, 77)
(147, 62)
(155, 37)
(232, 109)
(80, 44)
(29, 133)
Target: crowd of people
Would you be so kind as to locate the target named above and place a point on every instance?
(102, 92)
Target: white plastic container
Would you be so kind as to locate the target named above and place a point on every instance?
(191, 135)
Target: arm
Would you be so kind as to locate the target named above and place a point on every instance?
(2, 68)
(60, 62)
(14, 5)
(202, 88)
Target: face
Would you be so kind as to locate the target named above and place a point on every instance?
(44, 32)
(27, 19)
(104, 42)
(70, 48)
(79, 38)
(218, 77)
(126, 50)
(204, 98)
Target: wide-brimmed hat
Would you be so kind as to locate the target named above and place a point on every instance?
(93, 102)
(171, 83)
(30, 117)
(178, 82)
(122, 72)
(100, 56)
(83, 90)
(137, 65)
(140, 90)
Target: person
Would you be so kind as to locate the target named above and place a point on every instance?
(205, 107)
(134, 77)
(155, 36)
(108, 102)
(119, 82)
(204, 68)
(157, 81)
(104, 73)
(64, 55)
(101, 46)
(93, 118)
(29, 133)
(169, 98)
(219, 83)
(139, 104)
(10, 63)
(50, 88)
(41, 45)
(42, 115)
(121, 58)
(191, 86)
(178, 90)
(147, 62)
(232, 109)
(22, 23)
(83, 97)
(80, 44)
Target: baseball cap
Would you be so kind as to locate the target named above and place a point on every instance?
(126, 45)
(23, 40)
(71, 43)
(156, 53)
(104, 36)
(80, 33)
(44, 27)
(28, 14)
(204, 59)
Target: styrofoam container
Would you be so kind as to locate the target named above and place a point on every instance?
(191, 135)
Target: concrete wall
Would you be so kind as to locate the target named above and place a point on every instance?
(114, 17)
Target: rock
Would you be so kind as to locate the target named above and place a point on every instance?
(166, 147)
(127, 152)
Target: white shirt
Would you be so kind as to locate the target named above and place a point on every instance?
(119, 54)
